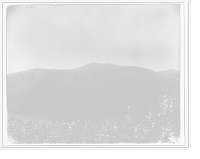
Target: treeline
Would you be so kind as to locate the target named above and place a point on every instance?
(158, 125)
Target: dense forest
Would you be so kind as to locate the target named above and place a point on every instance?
(161, 125)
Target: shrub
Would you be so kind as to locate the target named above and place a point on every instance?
(160, 124)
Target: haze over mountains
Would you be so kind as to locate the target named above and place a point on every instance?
(93, 89)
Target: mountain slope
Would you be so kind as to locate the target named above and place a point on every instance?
(170, 73)
(93, 89)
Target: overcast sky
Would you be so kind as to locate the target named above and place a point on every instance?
(69, 36)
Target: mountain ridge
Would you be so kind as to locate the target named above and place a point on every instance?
(171, 73)
(90, 65)
(90, 89)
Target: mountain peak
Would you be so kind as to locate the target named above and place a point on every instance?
(94, 65)
(38, 69)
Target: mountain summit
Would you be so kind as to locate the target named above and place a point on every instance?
(93, 89)
(99, 65)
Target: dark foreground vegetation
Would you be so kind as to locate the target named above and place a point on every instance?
(158, 125)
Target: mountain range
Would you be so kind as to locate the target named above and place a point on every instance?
(93, 89)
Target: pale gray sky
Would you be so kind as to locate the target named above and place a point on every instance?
(69, 36)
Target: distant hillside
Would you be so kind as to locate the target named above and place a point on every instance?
(171, 73)
(93, 89)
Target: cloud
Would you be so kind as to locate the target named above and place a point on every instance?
(87, 33)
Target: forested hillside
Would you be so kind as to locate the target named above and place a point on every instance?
(160, 125)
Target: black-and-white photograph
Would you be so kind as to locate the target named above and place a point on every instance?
(93, 74)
